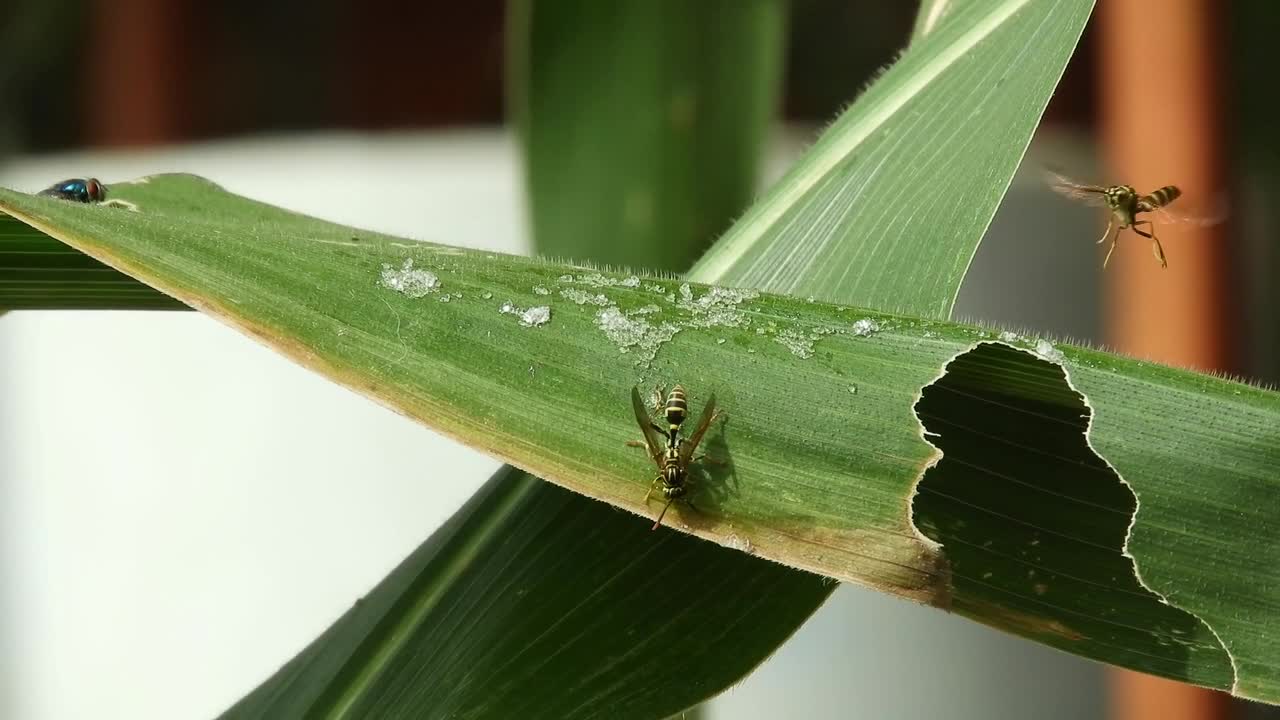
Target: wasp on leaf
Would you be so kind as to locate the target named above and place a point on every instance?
(669, 451)
(1125, 205)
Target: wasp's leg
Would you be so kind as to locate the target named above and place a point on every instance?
(1156, 249)
(1110, 224)
(658, 522)
(636, 443)
(1107, 259)
(656, 481)
(1115, 239)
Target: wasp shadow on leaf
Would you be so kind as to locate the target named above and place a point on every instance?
(717, 475)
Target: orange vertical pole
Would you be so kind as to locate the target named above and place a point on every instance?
(1161, 123)
(1135, 696)
(135, 83)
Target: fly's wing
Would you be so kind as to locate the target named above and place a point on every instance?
(704, 422)
(1091, 194)
(651, 439)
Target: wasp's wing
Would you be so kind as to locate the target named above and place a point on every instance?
(1091, 194)
(651, 439)
(1212, 213)
(704, 422)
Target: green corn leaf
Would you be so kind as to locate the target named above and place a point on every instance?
(822, 448)
(887, 208)
(451, 608)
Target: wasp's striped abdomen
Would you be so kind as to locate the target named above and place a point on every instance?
(677, 407)
(1159, 198)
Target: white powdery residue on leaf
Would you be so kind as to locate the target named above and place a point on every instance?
(866, 327)
(718, 307)
(1046, 350)
(540, 290)
(536, 316)
(596, 280)
(802, 345)
(582, 297)
(599, 281)
(1009, 337)
(408, 280)
(487, 296)
(621, 330)
(532, 317)
(634, 332)
(799, 344)
(651, 287)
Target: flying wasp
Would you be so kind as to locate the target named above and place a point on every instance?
(83, 190)
(670, 452)
(1125, 204)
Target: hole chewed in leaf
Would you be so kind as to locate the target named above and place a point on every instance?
(1034, 522)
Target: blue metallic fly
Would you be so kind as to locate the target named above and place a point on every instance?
(77, 190)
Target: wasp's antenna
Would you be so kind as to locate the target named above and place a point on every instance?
(658, 522)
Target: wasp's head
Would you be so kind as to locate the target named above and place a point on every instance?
(1121, 196)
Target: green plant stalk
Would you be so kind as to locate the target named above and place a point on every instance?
(641, 122)
(692, 89)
